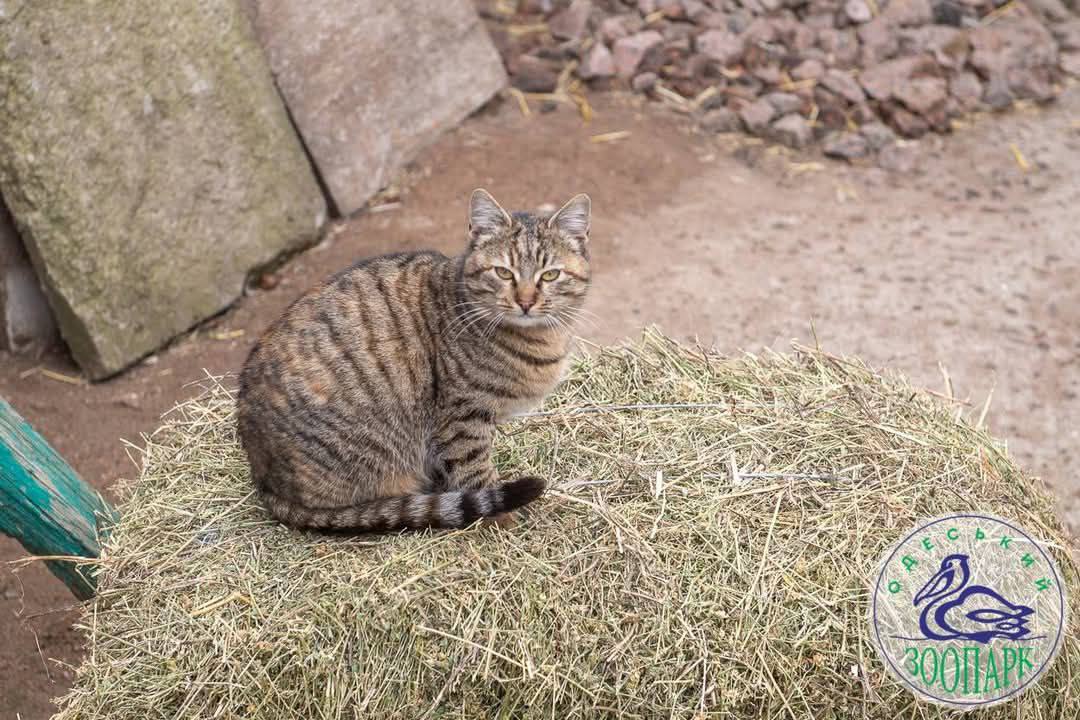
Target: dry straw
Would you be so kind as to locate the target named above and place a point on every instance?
(705, 553)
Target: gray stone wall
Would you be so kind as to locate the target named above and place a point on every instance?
(370, 82)
(149, 164)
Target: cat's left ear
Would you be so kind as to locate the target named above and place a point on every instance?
(573, 218)
(486, 217)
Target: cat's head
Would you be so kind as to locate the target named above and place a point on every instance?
(527, 269)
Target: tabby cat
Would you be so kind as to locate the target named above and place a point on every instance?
(371, 403)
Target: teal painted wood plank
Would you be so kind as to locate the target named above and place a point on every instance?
(45, 505)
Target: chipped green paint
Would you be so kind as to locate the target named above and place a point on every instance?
(45, 505)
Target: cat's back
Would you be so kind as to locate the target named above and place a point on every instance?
(369, 301)
(369, 330)
(386, 296)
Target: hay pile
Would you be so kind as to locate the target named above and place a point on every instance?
(706, 560)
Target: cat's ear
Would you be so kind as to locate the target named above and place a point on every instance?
(486, 217)
(573, 218)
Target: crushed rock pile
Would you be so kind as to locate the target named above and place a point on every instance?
(852, 74)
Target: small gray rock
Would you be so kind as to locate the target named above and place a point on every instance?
(571, 23)
(762, 30)
(694, 9)
(739, 20)
(644, 82)
(800, 38)
(757, 115)
(672, 9)
(846, 145)
(820, 20)
(535, 75)
(858, 11)
(615, 27)
(721, 45)
(785, 103)
(967, 90)
(808, 70)
(845, 85)
(841, 45)
(1070, 63)
(631, 50)
(906, 122)
(1015, 41)
(882, 80)
(954, 13)
(769, 74)
(678, 35)
(922, 95)
(1031, 84)
(792, 130)
(909, 13)
(879, 41)
(721, 120)
(1053, 11)
(863, 114)
(997, 93)
(714, 20)
(597, 63)
(878, 135)
(948, 45)
(1068, 34)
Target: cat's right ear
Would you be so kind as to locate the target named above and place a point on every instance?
(486, 217)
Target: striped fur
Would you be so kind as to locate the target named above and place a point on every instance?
(371, 403)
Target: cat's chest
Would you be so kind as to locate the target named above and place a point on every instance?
(535, 384)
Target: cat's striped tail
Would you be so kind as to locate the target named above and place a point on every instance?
(453, 509)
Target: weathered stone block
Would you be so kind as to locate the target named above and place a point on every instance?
(149, 164)
(26, 323)
(370, 82)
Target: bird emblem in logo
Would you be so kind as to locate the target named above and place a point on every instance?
(953, 608)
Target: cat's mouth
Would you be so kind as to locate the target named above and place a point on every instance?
(532, 319)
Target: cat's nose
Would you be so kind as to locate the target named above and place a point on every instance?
(526, 304)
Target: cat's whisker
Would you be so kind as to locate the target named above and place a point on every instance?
(467, 302)
(493, 325)
(584, 311)
(463, 319)
(575, 324)
(575, 318)
(465, 315)
(557, 323)
(475, 320)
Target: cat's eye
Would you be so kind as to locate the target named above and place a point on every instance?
(504, 273)
(549, 275)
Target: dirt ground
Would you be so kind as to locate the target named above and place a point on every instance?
(970, 264)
